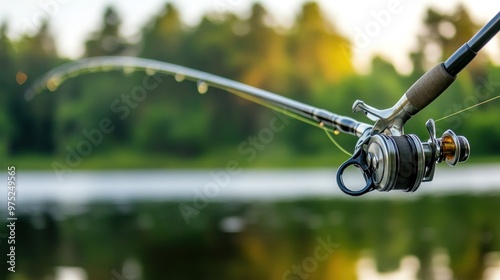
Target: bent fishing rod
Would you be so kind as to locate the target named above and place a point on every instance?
(388, 158)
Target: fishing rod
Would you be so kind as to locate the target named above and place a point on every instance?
(322, 118)
(388, 158)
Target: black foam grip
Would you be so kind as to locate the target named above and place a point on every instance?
(429, 87)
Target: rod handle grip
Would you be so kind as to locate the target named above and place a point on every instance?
(429, 87)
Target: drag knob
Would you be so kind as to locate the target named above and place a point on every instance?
(454, 149)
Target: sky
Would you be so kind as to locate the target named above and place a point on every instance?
(385, 27)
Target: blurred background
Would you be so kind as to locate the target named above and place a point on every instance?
(133, 175)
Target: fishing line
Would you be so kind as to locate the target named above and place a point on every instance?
(297, 117)
(273, 107)
(468, 108)
(330, 136)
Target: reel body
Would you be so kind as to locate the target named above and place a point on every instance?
(402, 162)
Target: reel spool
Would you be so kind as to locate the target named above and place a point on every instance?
(396, 162)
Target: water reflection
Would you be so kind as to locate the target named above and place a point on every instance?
(104, 225)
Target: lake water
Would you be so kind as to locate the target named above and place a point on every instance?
(219, 185)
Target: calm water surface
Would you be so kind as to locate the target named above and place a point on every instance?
(81, 186)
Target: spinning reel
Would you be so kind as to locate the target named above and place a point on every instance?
(402, 162)
(391, 160)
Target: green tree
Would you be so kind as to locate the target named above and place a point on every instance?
(7, 88)
(108, 40)
(320, 53)
(263, 53)
(33, 120)
(162, 38)
(443, 35)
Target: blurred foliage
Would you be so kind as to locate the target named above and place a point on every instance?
(256, 240)
(173, 126)
(310, 61)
